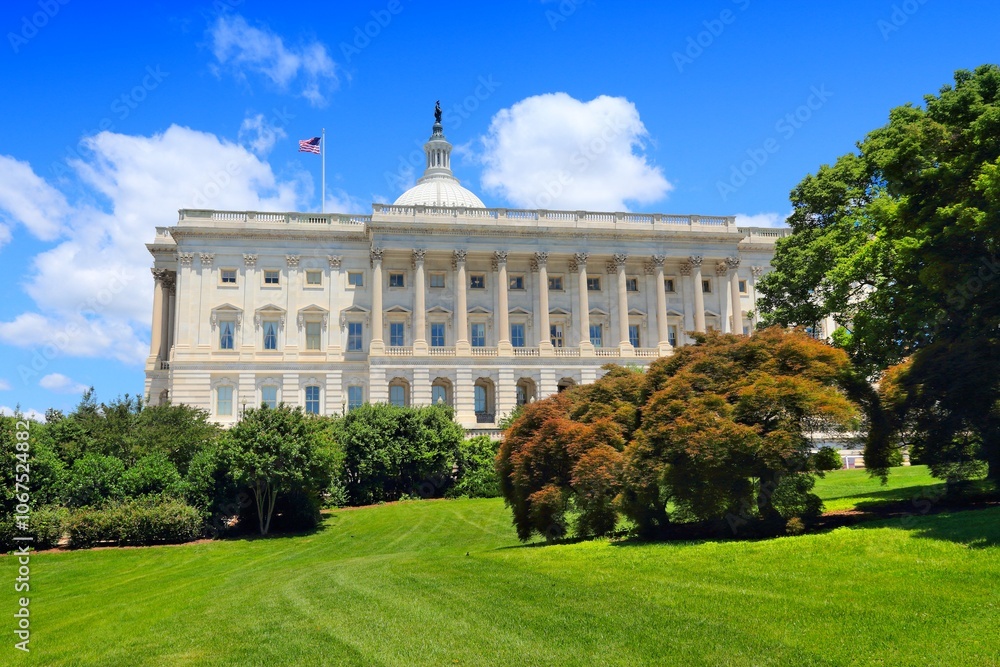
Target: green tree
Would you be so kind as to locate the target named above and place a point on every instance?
(899, 242)
(274, 452)
(391, 451)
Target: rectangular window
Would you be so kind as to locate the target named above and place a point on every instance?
(271, 277)
(743, 287)
(597, 335)
(517, 282)
(270, 335)
(633, 335)
(632, 284)
(672, 335)
(396, 334)
(517, 335)
(224, 401)
(313, 335)
(354, 340)
(437, 334)
(593, 284)
(269, 396)
(668, 285)
(397, 280)
(436, 280)
(397, 395)
(556, 334)
(314, 277)
(556, 283)
(355, 278)
(227, 276)
(355, 397)
(706, 286)
(226, 329)
(478, 330)
(477, 281)
(312, 400)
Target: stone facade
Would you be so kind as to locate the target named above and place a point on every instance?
(417, 303)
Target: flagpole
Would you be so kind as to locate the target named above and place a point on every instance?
(322, 154)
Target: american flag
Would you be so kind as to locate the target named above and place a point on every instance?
(309, 145)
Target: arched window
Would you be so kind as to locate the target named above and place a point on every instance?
(399, 393)
(484, 400)
(441, 392)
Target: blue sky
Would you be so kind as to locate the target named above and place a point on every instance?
(118, 114)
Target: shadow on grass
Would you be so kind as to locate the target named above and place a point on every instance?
(975, 528)
(875, 499)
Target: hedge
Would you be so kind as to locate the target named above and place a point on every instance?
(136, 522)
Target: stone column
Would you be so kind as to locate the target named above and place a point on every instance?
(545, 343)
(462, 346)
(204, 332)
(156, 328)
(420, 391)
(419, 304)
(699, 295)
(377, 345)
(170, 285)
(250, 287)
(334, 348)
(734, 289)
(624, 345)
(661, 304)
(504, 347)
(586, 346)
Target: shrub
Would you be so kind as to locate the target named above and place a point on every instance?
(94, 479)
(135, 522)
(827, 458)
(48, 525)
(151, 475)
(476, 474)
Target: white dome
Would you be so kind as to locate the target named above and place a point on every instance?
(439, 191)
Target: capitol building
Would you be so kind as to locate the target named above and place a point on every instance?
(433, 299)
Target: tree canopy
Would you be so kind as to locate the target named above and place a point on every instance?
(898, 241)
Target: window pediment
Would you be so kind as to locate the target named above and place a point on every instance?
(226, 310)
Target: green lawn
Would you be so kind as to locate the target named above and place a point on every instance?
(447, 583)
(855, 489)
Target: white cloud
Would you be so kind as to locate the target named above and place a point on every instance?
(27, 199)
(242, 49)
(552, 151)
(259, 134)
(59, 383)
(93, 290)
(4, 385)
(30, 414)
(769, 219)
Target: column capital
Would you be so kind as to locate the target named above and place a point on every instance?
(458, 257)
(695, 260)
(721, 268)
(159, 275)
(620, 258)
(375, 255)
(170, 282)
(185, 258)
(206, 258)
(757, 271)
(499, 258)
(540, 259)
(733, 262)
(579, 262)
(649, 268)
(686, 268)
(657, 260)
(418, 256)
(292, 261)
(335, 261)
(250, 261)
